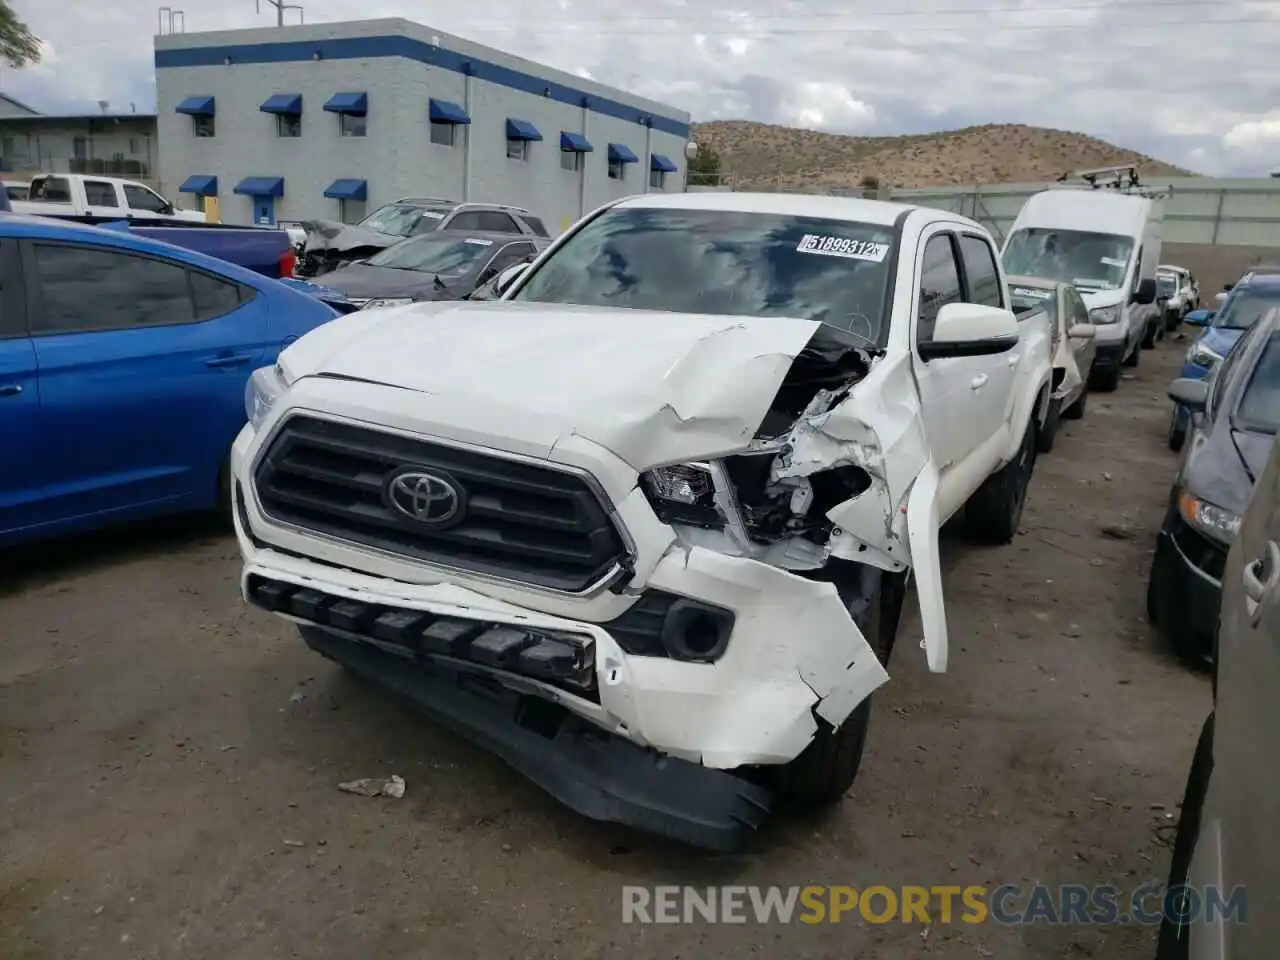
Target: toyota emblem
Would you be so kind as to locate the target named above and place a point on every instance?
(434, 499)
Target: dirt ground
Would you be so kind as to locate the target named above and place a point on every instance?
(169, 761)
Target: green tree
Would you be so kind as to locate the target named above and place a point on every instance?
(704, 168)
(18, 44)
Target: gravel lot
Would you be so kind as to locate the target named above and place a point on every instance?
(169, 761)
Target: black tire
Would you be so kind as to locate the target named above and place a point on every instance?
(1177, 434)
(1105, 380)
(825, 770)
(1172, 321)
(1149, 337)
(1046, 435)
(1076, 410)
(1174, 941)
(1133, 358)
(994, 512)
(223, 510)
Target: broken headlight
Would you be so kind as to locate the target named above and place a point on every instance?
(683, 493)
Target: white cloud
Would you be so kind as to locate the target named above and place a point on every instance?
(1117, 69)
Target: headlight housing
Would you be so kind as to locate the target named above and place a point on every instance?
(1213, 521)
(265, 386)
(684, 493)
(381, 302)
(1105, 315)
(1201, 356)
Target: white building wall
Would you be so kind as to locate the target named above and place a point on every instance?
(397, 157)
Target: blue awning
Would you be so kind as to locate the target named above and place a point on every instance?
(658, 162)
(444, 111)
(348, 190)
(356, 104)
(574, 142)
(261, 186)
(197, 106)
(621, 153)
(286, 103)
(201, 184)
(521, 130)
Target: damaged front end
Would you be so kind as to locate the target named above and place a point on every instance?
(330, 245)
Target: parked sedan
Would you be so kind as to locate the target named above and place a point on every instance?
(1073, 345)
(438, 266)
(1235, 418)
(123, 364)
(1226, 840)
(1252, 296)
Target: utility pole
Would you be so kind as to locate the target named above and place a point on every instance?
(281, 6)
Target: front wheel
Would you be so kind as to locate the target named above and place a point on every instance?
(1177, 432)
(825, 770)
(1174, 942)
(994, 512)
(1105, 380)
(1132, 359)
(1076, 410)
(1049, 432)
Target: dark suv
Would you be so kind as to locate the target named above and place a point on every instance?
(329, 244)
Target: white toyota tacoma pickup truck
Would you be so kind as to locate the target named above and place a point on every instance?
(643, 526)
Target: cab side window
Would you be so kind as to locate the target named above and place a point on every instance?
(980, 272)
(939, 283)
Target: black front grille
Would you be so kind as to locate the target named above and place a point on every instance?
(521, 521)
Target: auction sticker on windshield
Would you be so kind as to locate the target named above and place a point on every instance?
(479, 243)
(1032, 292)
(843, 247)
(1113, 262)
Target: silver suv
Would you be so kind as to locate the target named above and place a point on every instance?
(329, 245)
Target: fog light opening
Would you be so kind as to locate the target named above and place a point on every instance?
(695, 631)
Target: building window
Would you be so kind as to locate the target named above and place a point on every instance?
(570, 160)
(442, 133)
(351, 211)
(517, 149)
(133, 144)
(617, 170)
(350, 125)
(202, 126)
(657, 179)
(288, 124)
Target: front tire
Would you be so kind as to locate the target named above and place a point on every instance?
(1133, 358)
(1177, 432)
(1174, 942)
(1076, 410)
(994, 512)
(1046, 435)
(1105, 380)
(826, 769)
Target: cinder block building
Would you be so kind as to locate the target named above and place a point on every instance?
(332, 120)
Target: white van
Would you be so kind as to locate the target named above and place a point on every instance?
(1107, 244)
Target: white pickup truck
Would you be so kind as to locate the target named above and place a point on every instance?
(81, 195)
(643, 526)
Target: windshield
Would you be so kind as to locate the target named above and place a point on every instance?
(1166, 285)
(398, 219)
(1026, 298)
(1090, 261)
(1242, 310)
(1259, 409)
(443, 255)
(725, 263)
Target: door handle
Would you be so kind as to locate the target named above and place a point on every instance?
(1260, 578)
(10, 389)
(234, 360)
(978, 382)
(1014, 358)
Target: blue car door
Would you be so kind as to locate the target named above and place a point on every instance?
(20, 480)
(143, 362)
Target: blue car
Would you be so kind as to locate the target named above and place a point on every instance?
(123, 364)
(1248, 300)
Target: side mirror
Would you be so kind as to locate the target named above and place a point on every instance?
(1146, 292)
(1192, 394)
(970, 330)
(1198, 318)
(509, 276)
(1082, 331)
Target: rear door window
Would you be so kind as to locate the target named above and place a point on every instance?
(497, 221)
(536, 225)
(98, 193)
(87, 289)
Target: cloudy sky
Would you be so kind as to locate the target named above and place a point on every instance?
(1190, 81)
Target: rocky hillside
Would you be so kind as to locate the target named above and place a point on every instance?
(768, 155)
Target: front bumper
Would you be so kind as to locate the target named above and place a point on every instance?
(1186, 585)
(794, 653)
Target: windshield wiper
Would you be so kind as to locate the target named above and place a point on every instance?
(438, 283)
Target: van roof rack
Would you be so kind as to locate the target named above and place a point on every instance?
(1122, 178)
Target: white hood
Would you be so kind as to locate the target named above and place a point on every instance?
(651, 387)
(1093, 299)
